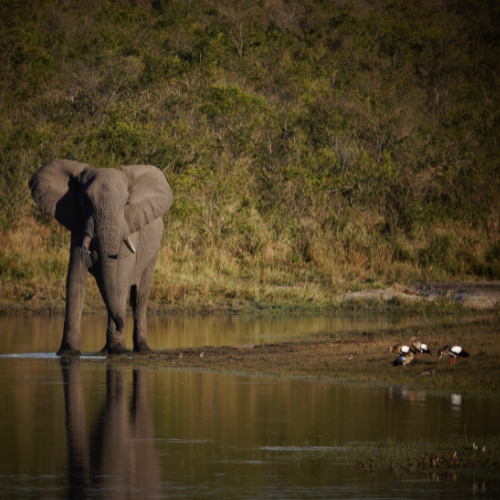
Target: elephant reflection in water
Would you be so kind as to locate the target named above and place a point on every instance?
(120, 460)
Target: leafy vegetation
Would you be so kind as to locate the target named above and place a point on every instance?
(312, 146)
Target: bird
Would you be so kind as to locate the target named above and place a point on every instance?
(419, 347)
(430, 371)
(400, 349)
(202, 354)
(403, 360)
(452, 352)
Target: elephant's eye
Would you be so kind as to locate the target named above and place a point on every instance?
(82, 201)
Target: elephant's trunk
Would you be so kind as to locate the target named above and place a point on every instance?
(110, 291)
(107, 248)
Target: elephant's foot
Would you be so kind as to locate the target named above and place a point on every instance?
(142, 348)
(113, 350)
(67, 350)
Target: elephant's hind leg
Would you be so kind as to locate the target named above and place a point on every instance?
(139, 296)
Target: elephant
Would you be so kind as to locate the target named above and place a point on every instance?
(115, 219)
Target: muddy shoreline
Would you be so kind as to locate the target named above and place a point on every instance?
(351, 357)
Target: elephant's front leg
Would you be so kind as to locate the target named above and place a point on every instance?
(139, 296)
(76, 287)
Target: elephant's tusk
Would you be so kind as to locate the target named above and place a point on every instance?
(86, 244)
(129, 244)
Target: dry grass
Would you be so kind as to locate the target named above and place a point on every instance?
(329, 357)
(264, 269)
(431, 460)
(311, 268)
(33, 265)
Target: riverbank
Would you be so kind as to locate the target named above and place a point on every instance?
(353, 357)
(480, 295)
(483, 295)
(208, 275)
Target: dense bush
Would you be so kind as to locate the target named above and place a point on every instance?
(313, 131)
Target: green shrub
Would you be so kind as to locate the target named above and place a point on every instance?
(335, 138)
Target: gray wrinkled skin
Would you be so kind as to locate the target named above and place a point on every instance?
(115, 221)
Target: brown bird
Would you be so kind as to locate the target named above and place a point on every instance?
(419, 347)
(400, 349)
(452, 352)
(403, 360)
(430, 371)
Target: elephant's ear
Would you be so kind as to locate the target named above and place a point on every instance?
(53, 189)
(150, 195)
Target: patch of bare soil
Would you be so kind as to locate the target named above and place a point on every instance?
(360, 357)
(474, 294)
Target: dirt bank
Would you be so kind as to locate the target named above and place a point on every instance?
(474, 294)
(359, 357)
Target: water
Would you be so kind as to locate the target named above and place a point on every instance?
(20, 334)
(77, 431)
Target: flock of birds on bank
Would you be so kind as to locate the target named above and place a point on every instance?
(407, 353)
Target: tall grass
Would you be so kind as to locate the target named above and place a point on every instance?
(33, 264)
(278, 271)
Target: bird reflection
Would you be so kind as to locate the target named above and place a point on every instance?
(456, 401)
(406, 394)
(119, 459)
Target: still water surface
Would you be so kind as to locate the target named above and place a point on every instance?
(20, 334)
(78, 431)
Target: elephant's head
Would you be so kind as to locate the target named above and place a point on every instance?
(102, 206)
